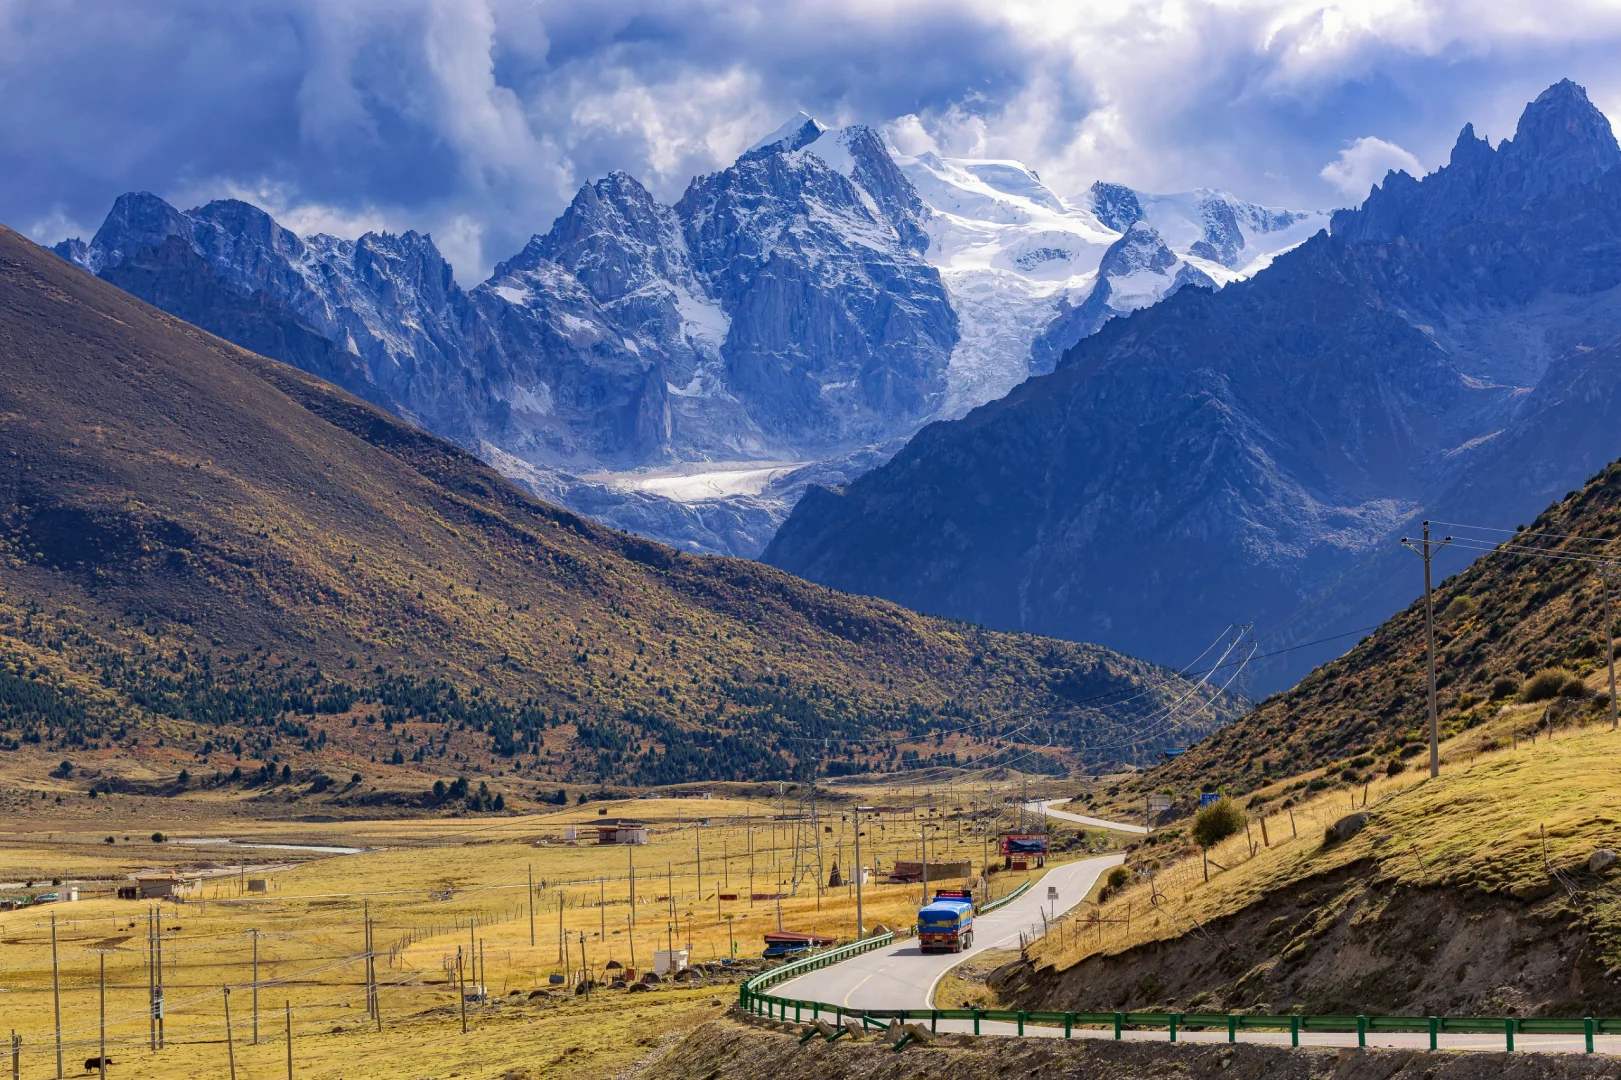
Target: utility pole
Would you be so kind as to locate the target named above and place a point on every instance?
(602, 908)
(102, 1061)
(160, 976)
(531, 905)
(861, 926)
(1609, 635)
(151, 989)
(289, 1008)
(56, 998)
(461, 987)
(630, 853)
(923, 835)
(1426, 550)
(255, 933)
(561, 959)
(585, 967)
(230, 1046)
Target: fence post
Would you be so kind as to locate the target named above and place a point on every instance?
(1119, 1022)
(977, 1014)
(1587, 1029)
(1362, 1031)
(1174, 1018)
(1435, 1030)
(1232, 1028)
(1021, 1021)
(1508, 1032)
(1294, 1029)
(1069, 1024)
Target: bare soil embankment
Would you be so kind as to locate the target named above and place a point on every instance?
(1344, 944)
(737, 1048)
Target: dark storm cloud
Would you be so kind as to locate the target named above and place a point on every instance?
(477, 119)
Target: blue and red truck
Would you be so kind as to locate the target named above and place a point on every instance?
(947, 924)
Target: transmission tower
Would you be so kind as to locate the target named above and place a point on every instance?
(808, 833)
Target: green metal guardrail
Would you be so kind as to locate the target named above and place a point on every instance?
(1009, 898)
(751, 999)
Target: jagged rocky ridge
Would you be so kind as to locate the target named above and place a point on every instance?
(812, 305)
(1250, 455)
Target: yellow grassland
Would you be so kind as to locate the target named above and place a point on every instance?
(433, 887)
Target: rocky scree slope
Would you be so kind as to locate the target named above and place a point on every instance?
(203, 551)
(1237, 456)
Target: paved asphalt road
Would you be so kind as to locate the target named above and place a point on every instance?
(1046, 807)
(903, 977)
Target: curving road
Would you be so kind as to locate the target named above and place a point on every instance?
(1045, 806)
(902, 976)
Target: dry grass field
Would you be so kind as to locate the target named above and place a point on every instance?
(432, 887)
(1514, 801)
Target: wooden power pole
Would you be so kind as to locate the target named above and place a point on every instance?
(1426, 549)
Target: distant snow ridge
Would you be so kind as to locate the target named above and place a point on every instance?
(818, 301)
(1031, 273)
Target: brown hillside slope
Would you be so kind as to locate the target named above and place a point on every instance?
(1511, 614)
(204, 547)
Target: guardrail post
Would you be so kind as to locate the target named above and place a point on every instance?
(816, 1010)
(1435, 1030)
(1119, 1023)
(934, 1020)
(976, 1022)
(1587, 1029)
(1175, 1017)
(1362, 1031)
(1508, 1032)
(1294, 1030)
(1232, 1028)
(1021, 1021)
(1069, 1024)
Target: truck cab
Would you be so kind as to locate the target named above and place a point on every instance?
(947, 924)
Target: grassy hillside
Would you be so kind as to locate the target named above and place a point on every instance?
(1512, 614)
(214, 562)
(1468, 894)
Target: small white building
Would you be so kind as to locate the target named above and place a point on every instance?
(668, 962)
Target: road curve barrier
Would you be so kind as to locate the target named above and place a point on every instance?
(1009, 898)
(753, 1000)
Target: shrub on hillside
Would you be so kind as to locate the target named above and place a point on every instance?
(1216, 822)
(1118, 879)
(1547, 683)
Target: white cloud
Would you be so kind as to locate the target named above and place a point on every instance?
(1364, 163)
(479, 119)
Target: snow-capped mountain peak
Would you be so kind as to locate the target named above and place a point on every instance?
(800, 130)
